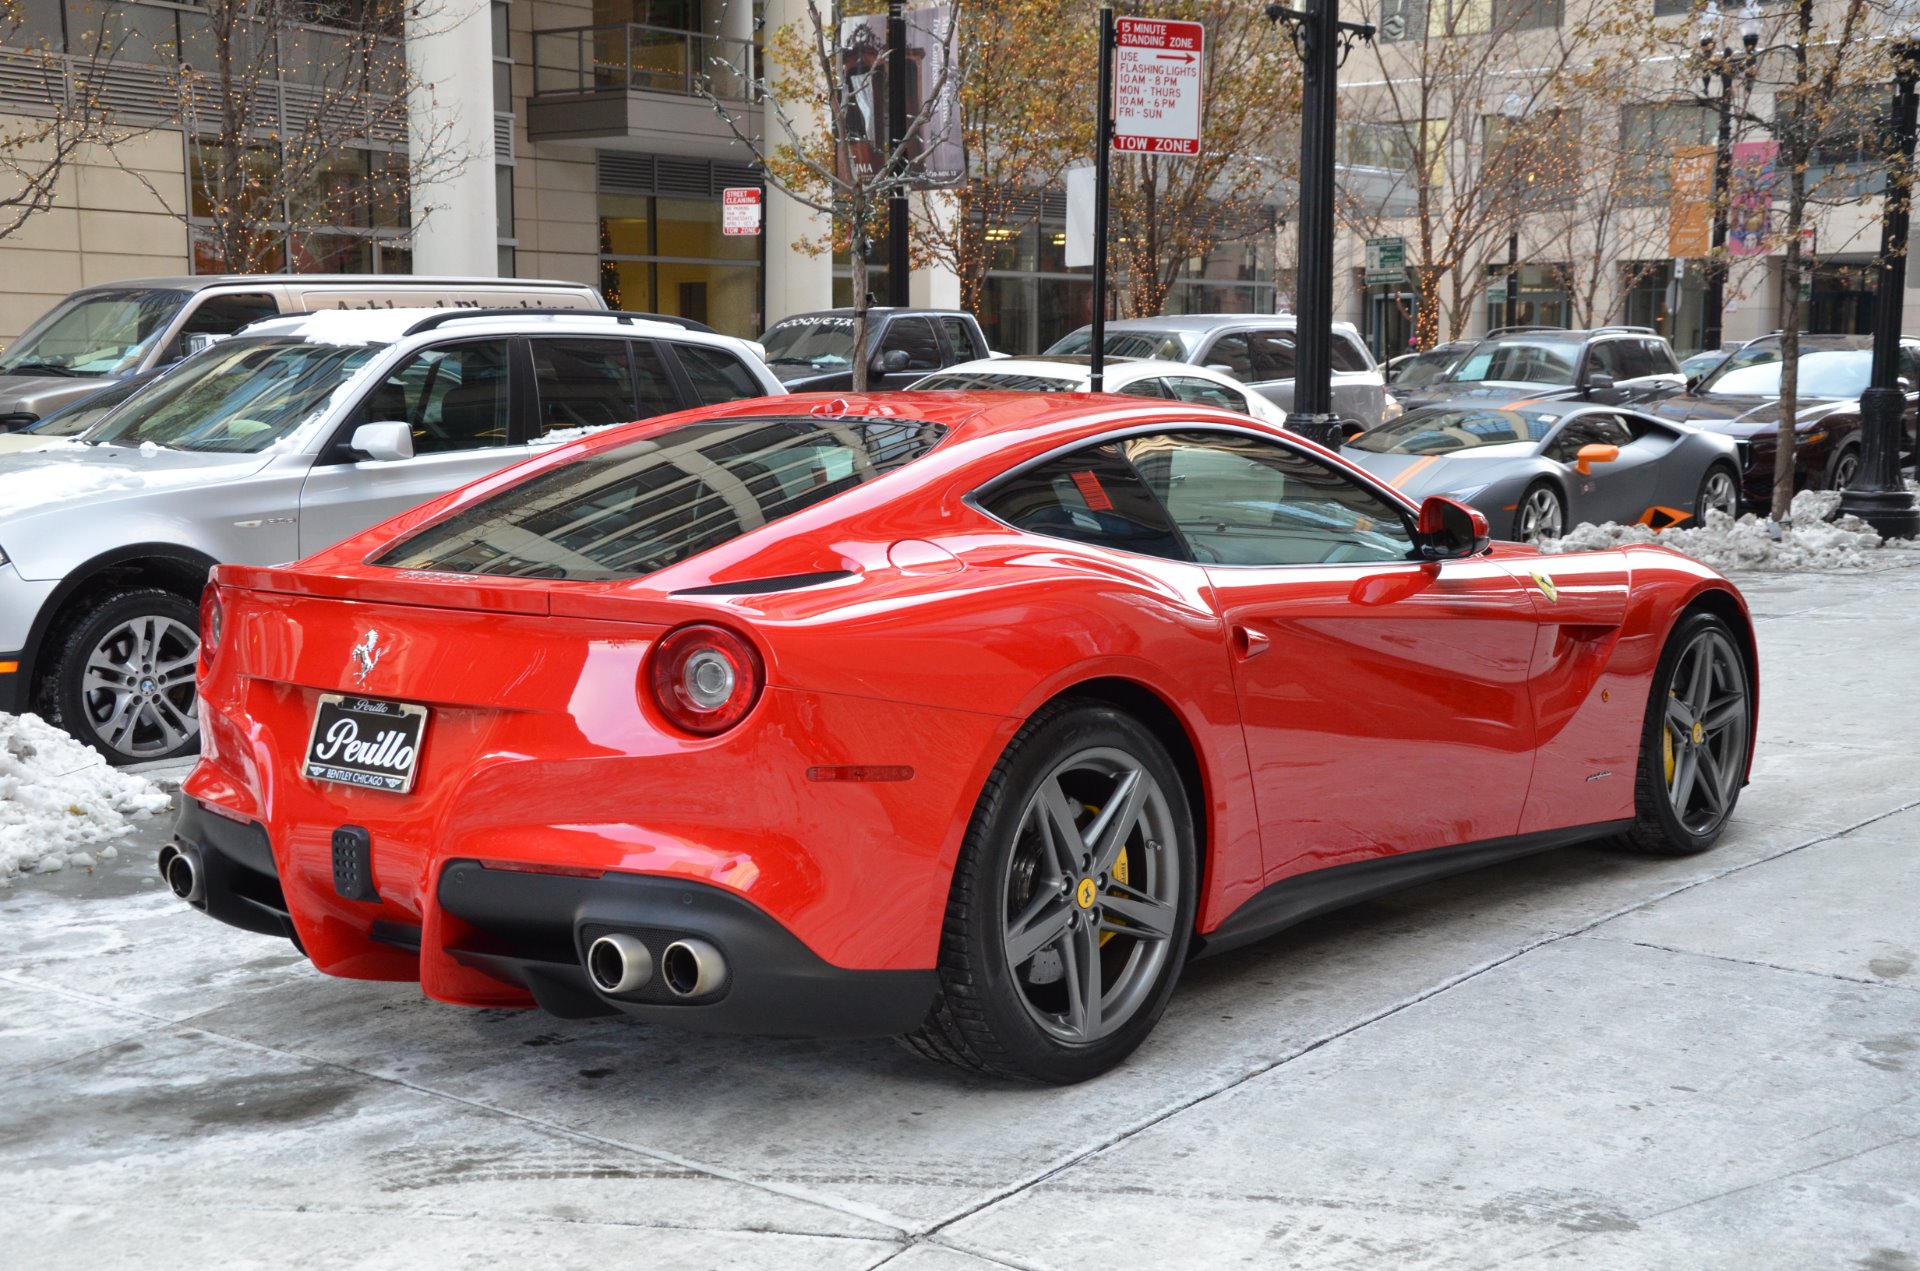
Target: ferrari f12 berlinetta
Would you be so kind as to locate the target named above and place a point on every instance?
(964, 717)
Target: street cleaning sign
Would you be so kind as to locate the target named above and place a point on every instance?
(1156, 86)
(739, 211)
(1386, 261)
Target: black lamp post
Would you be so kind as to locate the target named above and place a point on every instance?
(1877, 495)
(1727, 63)
(1323, 41)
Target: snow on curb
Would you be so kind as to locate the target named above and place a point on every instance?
(1809, 539)
(61, 804)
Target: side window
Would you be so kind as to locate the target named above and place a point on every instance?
(960, 339)
(1910, 365)
(1603, 358)
(915, 335)
(1274, 355)
(1089, 496)
(583, 383)
(1191, 388)
(1231, 351)
(1146, 388)
(1660, 359)
(1348, 357)
(1595, 428)
(224, 314)
(1243, 501)
(718, 376)
(454, 396)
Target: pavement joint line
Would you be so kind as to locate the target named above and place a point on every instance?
(834, 1204)
(921, 1242)
(1866, 981)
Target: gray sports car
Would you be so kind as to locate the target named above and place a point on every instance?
(1535, 468)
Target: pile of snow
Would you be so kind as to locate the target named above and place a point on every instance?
(1810, 538)
(60, 802)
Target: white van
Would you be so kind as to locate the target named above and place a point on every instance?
(105, 333)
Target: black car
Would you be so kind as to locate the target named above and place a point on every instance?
(1608, 365)
(1741, 397)
(813, 352)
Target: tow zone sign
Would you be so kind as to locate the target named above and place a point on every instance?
(739, 211)
(1156, 86)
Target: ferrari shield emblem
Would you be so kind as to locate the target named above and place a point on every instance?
(1547, 589)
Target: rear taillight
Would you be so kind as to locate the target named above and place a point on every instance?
(705, 679)
(212, 618)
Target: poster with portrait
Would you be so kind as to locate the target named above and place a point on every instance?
(1750, 183)
(934, 152)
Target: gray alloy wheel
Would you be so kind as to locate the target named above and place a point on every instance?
(1541, 516)
(121, 676)
(1707, 718)
(1845, 464)
(1719, 492)
(1090, 900)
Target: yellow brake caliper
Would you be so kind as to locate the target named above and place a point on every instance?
(1666, 745)
(1119, 864)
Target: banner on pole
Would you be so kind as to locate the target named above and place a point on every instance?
(1080, 217)
(1750, 183)
(1690, 211)
(934, 152)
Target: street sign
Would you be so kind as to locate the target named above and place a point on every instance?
(1156, 86)
(1386, 261)
(739, 211)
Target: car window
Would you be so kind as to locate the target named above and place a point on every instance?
(240, 396)
(960, 339)
(1150, 387)
(1191, 388)
(1274, 354)
(1244, 501)
(1347, 355)
(1660, 359)
(1595, 428)
(1231, 351)
(582, 383)
(1910, 365)
(453, 395)
(718, 376)
(1603, 358)
(1532, 361)
(1090, 495)
(915, 336)
(225, 314)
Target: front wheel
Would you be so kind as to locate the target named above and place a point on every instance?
(1719, 492)
(1842, 467)
(123, 676)
(1694, 744)
(1072, 905)
(1542, 515)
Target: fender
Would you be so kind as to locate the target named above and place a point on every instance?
(175, 561)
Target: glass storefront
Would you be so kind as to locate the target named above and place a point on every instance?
(1678, 312)
(1542, 297)
(1841, 302)
(667, 255)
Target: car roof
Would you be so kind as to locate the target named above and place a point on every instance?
(1558, 407)
(874, 311)
(1067, 365)
(394, 282)
(1199, 322)
(386, 326)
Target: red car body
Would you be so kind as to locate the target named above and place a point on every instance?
(1330, 721)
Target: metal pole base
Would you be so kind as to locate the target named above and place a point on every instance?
(1329, 430)
(1877, 495)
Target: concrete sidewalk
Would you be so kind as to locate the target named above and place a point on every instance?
(1586, 1059)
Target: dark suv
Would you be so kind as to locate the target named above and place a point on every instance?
(813, 352)
(1610, 365)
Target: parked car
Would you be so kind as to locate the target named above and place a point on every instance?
(272, 444)
(122, 329)
(813, 352)
(1696, 366)
(1741, 398)
(1256, 349)
(1416, 370)
(977, 740)
(1537, 468)
(77, 415)
(1130, 377)
(1611, 366)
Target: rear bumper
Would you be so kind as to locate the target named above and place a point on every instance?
(242, 885)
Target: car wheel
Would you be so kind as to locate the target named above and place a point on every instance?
(1719, 492)
(1542, 514)
(1072, 904)
(1694, 745)
(123, 676)
(1841, 467)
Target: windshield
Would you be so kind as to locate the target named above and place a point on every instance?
(1015, 383)
(1439, 430)
(810, 341)
(639, 507)
(1520, 362)
(1424, 368)
(93, 333)
(238, 396)
(77, 417)
(1755, 372)
(1166, 345)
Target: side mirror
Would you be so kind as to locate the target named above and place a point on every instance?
(892, 362)
(197, 341)
(1600, 387)
(1449, 529)
(1589, 455)
(1904, 384)
(1221, 367)
(382, 442)
(1693, 384)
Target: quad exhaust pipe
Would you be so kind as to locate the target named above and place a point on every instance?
(185, 875)
(619, 963)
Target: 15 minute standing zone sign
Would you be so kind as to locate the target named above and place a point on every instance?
(1156, 86)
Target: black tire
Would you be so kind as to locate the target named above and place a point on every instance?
(1540, 492)
(1841, 465)
(1718, 752)
(989, 1015)
(1708, 492)
(155, 688)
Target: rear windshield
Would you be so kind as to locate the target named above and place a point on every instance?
(637, 508)
(1018, 383)
(1439, 430)
(1165, 345)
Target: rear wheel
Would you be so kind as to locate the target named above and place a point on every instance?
(123, 676)
(1842, 466)
(1719, 492)
(1694, 745)
(1072, 905)
(1542, 514)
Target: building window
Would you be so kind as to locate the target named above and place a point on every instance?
(1542, 296)
(668, 255)
(1648, 136)
(349, 216)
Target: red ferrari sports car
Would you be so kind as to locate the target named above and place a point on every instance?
(964, 717)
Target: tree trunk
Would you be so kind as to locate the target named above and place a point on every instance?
(858, 254)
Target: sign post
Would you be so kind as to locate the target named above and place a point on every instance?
(740, 211)
(1149, 104)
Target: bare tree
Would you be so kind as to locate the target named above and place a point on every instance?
(50, 122)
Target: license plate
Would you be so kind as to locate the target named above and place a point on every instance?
(363, 741)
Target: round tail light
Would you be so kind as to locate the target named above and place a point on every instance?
(212, 619)
(705, 679)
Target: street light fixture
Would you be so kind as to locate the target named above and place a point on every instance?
(1514, 110)
(1729, 64)
(1877, 495)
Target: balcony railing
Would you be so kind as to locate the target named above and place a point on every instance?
(627, 56)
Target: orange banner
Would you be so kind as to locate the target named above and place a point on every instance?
(1690, 214)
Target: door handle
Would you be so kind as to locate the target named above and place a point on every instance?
(1248, 643)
